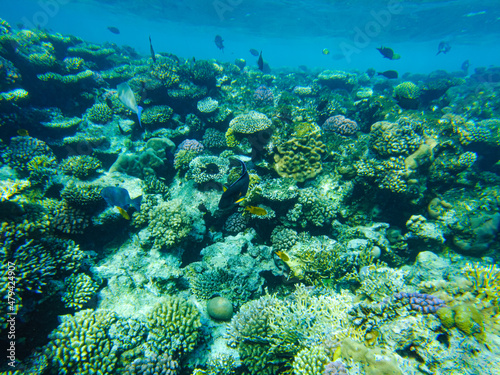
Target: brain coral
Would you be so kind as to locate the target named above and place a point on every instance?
(248, 123)
(340, 125)
(300, 158)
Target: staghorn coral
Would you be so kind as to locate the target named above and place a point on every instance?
(66, 219)
(166, 70)
(80, 344)
(485, 282)
(173, 327)
(300, 158)
(80, 288)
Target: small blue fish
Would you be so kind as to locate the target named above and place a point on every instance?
(120, 198)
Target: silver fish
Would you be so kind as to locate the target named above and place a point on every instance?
(126, 96)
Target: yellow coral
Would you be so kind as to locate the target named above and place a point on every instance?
(14, 95)
(485, 281)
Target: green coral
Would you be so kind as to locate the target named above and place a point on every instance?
(393, 139)
(73, 64)
(83, 196)
(165, 69)
(81, 166)
(203, 169)
(65, 79)
(407, 94)
(310, 361)
(79, 290)
(168, 221)
(173, 327)
(100, 113)
(157, 115)
(23, 149)
(203, 73)
(316, 208)
(81, 346)
(213, 138)
(300, 158)
(248, 123)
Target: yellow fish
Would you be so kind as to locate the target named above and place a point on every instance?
(123, 213)
(22, 132)
(325, 51)
(259, 211)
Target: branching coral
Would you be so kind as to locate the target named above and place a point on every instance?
(485, 281)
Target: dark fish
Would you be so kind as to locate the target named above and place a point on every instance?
(119, 197)
(219, 42)
(260, 62)
(114, 30)
(388, 53)
(153, 56)
(391, 74)
(235, 192)
(443, 47)
(254, 52)
(465, 66)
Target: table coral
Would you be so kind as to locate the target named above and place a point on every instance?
(249, 123)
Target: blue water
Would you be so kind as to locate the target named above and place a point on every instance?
(290, 33)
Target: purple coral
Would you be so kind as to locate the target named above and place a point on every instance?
(421, 302)
(341, 125)
(190, 144)
(335, 368)
(263, 96)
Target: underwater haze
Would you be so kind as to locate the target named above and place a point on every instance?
(291, 33)
(237, 187)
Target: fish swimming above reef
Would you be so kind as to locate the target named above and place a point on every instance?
(391, 74)
(465, 66)
(255, 210)
(388, 53)
(119, 197)
(234, 193)
(443, 47)
(151, 50)
(325, 51)
(219, 42)
(263, 66)
(114, 30)
(126, 96)
(254, 52)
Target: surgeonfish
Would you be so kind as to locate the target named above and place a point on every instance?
(151, 50)
(234, 193)
(254, 52)
(119, 197)
(388, 53)
(114, 30)
(219, 42)
(126, 96)
(391, 74)
(443, 47)
(260, 62)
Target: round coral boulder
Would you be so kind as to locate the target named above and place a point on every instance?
(220, 308)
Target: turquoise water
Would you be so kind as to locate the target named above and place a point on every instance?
(319, 195)
(290, 33)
